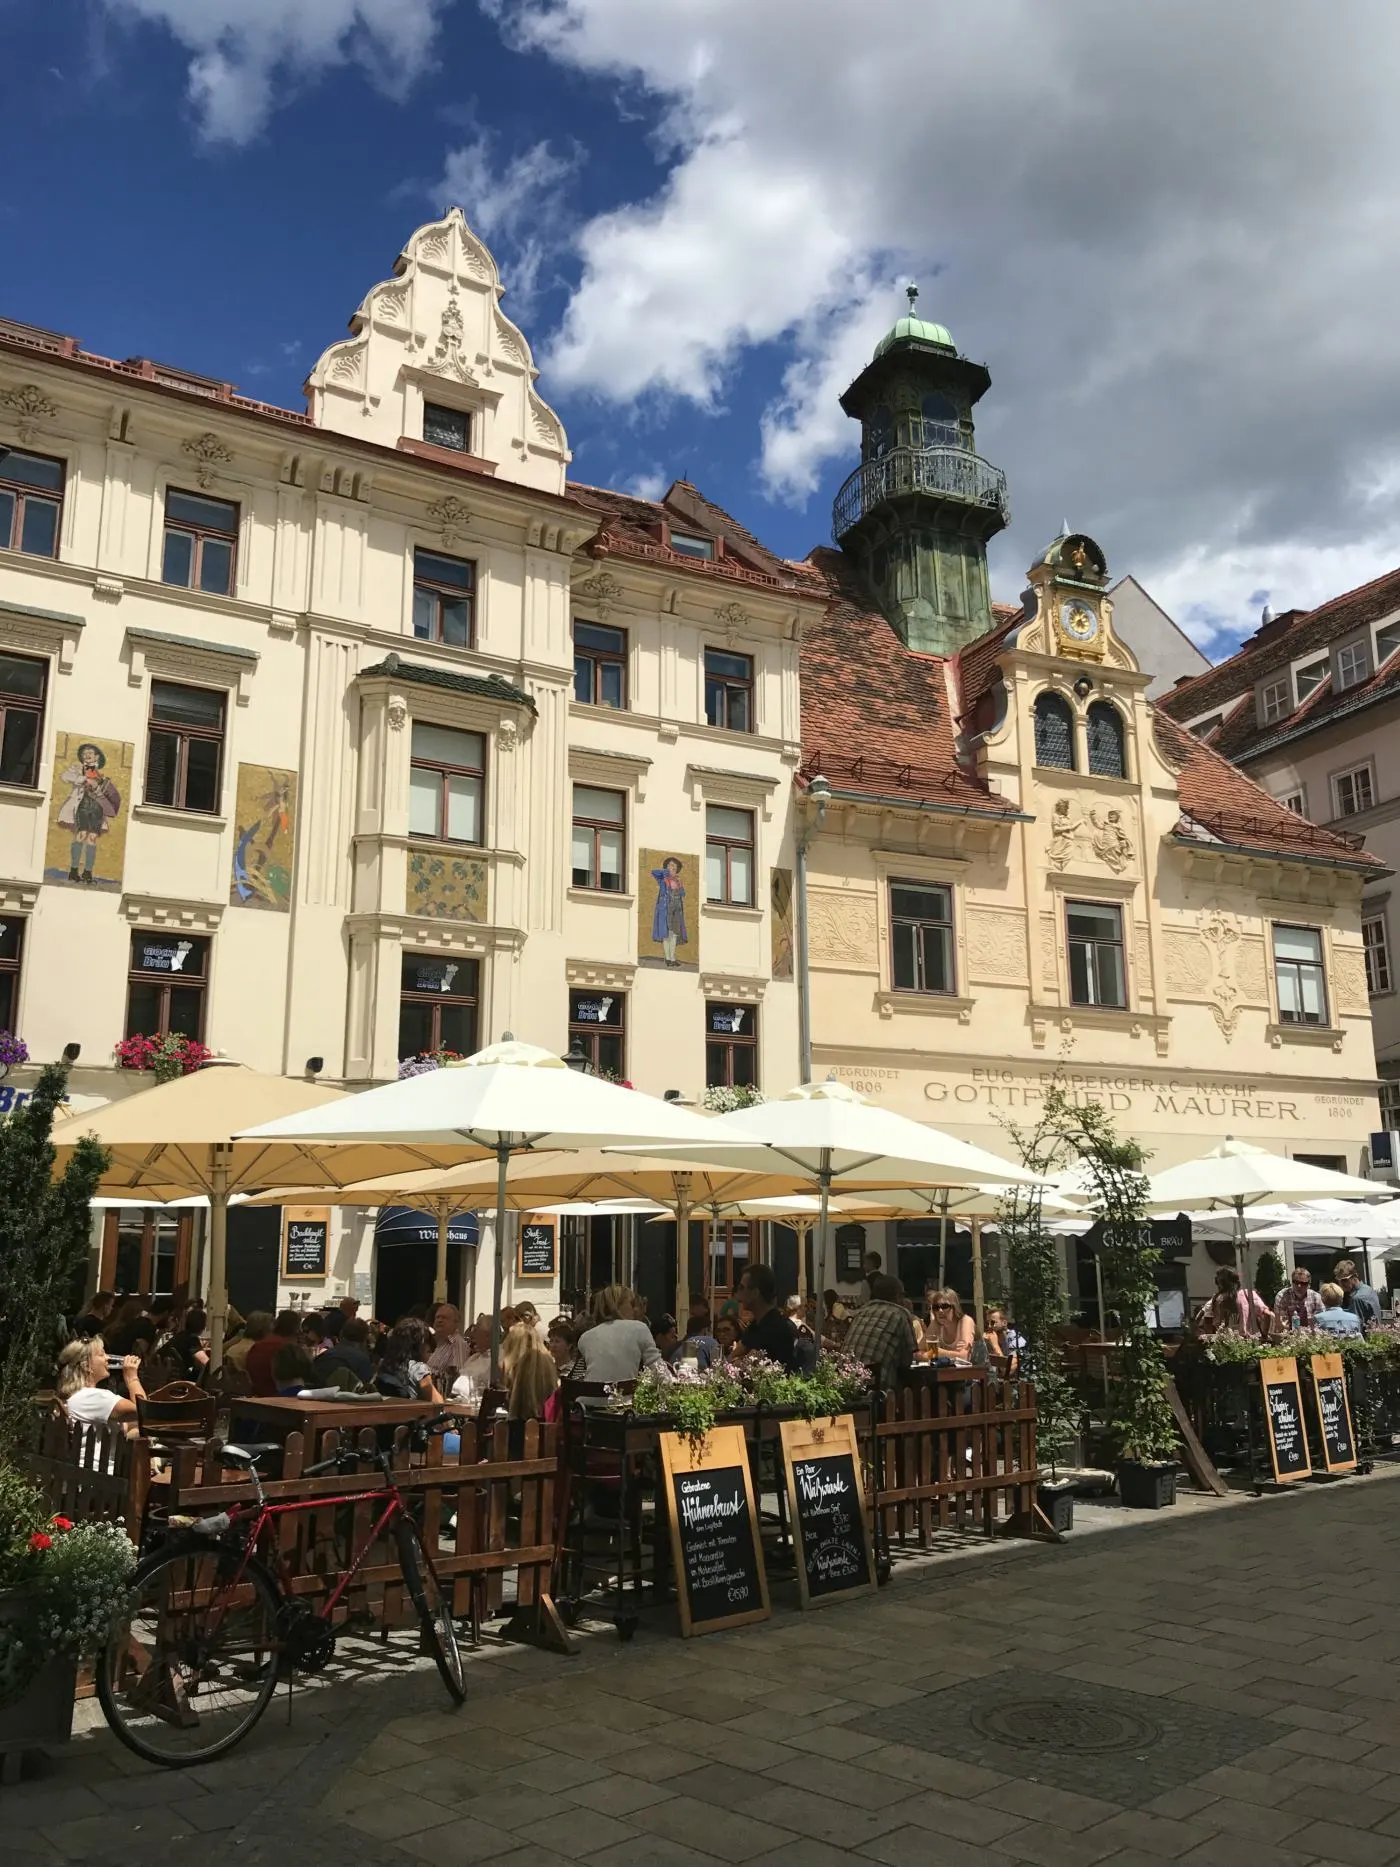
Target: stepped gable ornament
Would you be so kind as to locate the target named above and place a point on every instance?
(447, 358)
(208, 454)
(602, 590)
(31, 405)
(451, 517)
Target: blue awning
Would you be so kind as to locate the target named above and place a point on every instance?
(403, 1225)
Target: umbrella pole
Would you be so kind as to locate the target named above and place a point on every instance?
(803, 1231)
(943, 1242)
(440, 1273)
(502, 1165)
(218, 1257)
(978, 1286)
(1241, 1260)
(824, 1217)
(681, 1182)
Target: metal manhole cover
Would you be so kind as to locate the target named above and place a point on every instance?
(1064, 1724)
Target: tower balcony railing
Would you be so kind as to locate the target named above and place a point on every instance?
(952, 472)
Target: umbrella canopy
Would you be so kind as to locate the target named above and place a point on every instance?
(507, 1099)
(183, 1137)
(1321, 1223)
(830, 1133)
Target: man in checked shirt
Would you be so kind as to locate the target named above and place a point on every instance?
(1298, 1306)
(882, 1334)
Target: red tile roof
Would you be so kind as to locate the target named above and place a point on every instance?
(1271, 651)
(631, 528)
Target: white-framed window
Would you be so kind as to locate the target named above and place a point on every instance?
(1376, 946)
(446, 775)
(599, 839)
(1353, 664)
(1296, 801)
(1299, 976)
(1308, 678)
(1275, 701)
(729, 857)
(1354, 790)
(1390, 1105)
(1387, 641)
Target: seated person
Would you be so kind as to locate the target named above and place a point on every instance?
(349, 1353)
(727, 1339)
(770, 1333)
(1334, 1318)
(617, 1345)
(949, 1332)
(474, 1374)
(291, 1370)
(82, 1373)
(403, 1368)
(882, 1333)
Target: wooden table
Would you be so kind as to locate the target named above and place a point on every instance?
(311, 1418)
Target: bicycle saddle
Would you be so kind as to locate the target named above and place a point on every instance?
(248, 1455)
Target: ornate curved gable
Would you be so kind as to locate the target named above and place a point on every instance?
(434, 333)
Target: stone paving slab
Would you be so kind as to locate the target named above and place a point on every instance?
(1116, 1702)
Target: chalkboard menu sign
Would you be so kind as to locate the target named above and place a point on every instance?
(827, 1504)
(1333, 1412)
(537, 1256)
(850, 1254)
(306, 1243)
(720, 1579)
(1283, 1417)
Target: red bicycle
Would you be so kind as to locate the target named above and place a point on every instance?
(212, 1623)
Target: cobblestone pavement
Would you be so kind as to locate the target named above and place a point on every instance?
(1216, 1687)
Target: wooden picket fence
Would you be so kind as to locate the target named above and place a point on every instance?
(954, 1450)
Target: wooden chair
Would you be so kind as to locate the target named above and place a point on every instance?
(179, 1410)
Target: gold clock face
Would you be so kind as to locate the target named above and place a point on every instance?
(1079, 623)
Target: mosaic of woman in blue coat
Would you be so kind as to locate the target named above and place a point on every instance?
(668, 916)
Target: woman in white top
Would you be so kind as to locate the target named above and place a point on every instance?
(616, 1346)
(82, 1367)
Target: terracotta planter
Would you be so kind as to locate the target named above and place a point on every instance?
(42, 1715)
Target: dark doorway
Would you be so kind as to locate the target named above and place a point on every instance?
(406, 1259)
(254, 1256)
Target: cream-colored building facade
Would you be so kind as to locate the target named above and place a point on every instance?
(1110, 858)
(333, 808)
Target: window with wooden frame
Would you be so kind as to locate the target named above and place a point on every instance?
(1353, 790)
(921, 938)
(444, 599)
(447, 427)
(598, 1028)
(600, 666)
(729, 690)
(1097, 974)
(167, 982)
(146, 1252)
(599, 854)
(11, 960)
(439, 1001)
(201, 538)
(729, 856)
(1375, 944)
(731, 1246)
(731, 1046)
(24, 684)
(1299, 975)
(31, 502)
(185, 747)
(446, 779)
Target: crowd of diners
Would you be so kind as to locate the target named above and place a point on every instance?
(1345, 1305)
(123, 1349)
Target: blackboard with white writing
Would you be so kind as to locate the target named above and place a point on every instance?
(830, 1525)
(719, 1564)
(1283, 1416)
(537, 1253)
(1334, 1413)
(306, 1249)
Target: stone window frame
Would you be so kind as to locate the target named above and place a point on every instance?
(950, 872)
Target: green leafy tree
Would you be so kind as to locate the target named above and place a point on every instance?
(44, 1230)
(1269, 1277)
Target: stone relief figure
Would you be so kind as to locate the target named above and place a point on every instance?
(1065, 827)
(1112, 844)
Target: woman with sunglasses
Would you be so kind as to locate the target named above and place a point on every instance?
(948, 1331)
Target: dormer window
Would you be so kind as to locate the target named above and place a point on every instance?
(691, 545)
(1274, 702)
(447, 427)
(1353, 665)
(1308, 679)
(1387, 641)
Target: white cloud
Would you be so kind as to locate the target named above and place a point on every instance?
(520, 208)
(245, 55)
(1167, 227)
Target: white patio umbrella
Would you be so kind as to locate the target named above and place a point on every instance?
(831, 1135)
(510, 1098)
(1325, 1223)
(1238, 1175)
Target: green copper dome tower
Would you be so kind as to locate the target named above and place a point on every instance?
(917, 513)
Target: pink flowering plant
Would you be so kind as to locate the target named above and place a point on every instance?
(70, 1579)
(692, 1399)
(165, 1057)
(427, 1060)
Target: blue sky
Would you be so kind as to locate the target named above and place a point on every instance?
(704, 211)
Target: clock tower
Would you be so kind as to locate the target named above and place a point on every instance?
(917, 513)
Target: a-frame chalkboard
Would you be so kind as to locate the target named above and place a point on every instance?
(826, 1499)
(1333, 1412)
(1283, 1419)
(720, 1578)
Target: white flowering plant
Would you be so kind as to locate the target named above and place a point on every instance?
(71, 1580)
(723, 1098)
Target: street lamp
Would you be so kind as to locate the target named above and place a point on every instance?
(576, 1059)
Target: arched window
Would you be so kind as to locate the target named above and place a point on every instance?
(879, 435)
(1106, 741)
(1054, 732)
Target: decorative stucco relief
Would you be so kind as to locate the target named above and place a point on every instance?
(1219, 964)
(1104, 834)
(30, 404)
(842, 929)
(996, 946)
(452, 517)
(1142, 961)
(1349, 979)
(1049, 966)
(602, 590)
(448, 358)
(208, 454)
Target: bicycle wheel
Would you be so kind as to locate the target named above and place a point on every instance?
(434, 1608)
(192, 1661)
